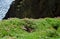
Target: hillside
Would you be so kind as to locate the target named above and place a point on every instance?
(43, 28)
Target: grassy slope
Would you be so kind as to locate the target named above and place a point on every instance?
(47, 28)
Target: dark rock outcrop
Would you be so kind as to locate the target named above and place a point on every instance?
(34, 9)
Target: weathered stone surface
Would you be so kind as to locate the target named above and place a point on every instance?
(4, 7)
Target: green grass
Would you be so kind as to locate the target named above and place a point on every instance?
(43, 28)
